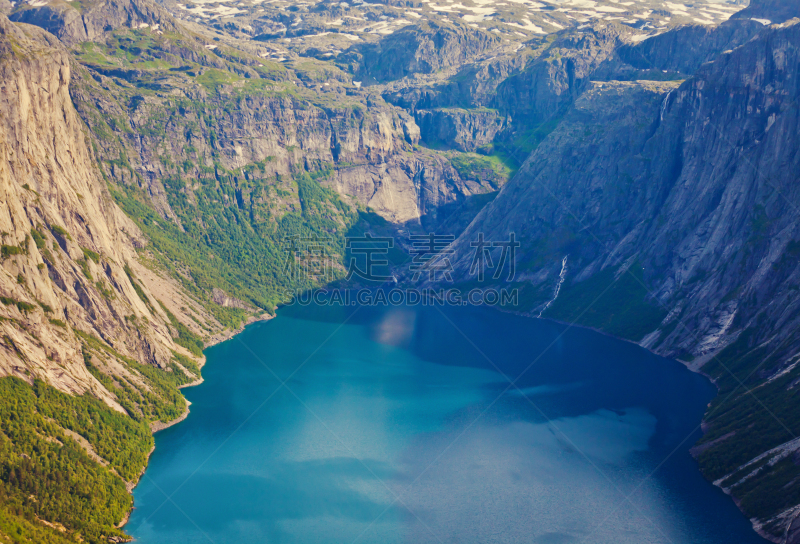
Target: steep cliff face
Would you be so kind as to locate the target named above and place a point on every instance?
(203, 138)
(465, 130)
(66, 245)
(681, 51)
(421, 49)
(677, 211)
(560, 74)
(81, 320)
(509, 102)
(474, 85)
(219, 153)
(245, 139)
(418, 191)
(88, 21)
(775, 11)
(208, 131)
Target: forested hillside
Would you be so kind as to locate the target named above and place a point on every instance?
(157, 160)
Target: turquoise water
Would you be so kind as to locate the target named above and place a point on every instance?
(345, 425)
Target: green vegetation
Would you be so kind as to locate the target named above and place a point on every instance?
(85, 268)
(38, 238)
(373, 224)
(45, 474)
(60, 232)
(475, 166)
(107, 293)
(213, 78)
(618, 307)
(22, 306)
(138, 288)
(89, 254)
(514, 152)
(760, 415)
(186, 337)
(233, 241)
(41, 243)
(147, 393)
(8, 251)
(20, 530)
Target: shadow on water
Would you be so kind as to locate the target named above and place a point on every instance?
(414, 402)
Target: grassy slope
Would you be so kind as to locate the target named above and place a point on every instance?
(748, 417)
(232, 238)
(235, 223)
(616, 307)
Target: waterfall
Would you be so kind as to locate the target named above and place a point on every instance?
(561, 276)
(664, 105)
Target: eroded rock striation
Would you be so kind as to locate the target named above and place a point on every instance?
(65, 243)
(686, 192)
(655, 196)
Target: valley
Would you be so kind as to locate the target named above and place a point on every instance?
(157, 156)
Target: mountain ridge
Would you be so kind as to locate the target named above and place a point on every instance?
(194, 153)
(662, 211)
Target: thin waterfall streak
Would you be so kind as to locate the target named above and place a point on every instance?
(664, 105)
(561, 276)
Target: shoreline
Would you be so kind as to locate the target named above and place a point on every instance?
(157, 426)
(695, 367)
(227, 334)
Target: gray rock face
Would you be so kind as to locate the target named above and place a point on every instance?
(70, 242)
(693, 183)
(370, 149)
(474, 86)
(555, 79)
(93, 20)
(697, 185)
(412, 190)
(582, 168)
(465, 130)
(422, 49)
(776, 11)
(683, 50)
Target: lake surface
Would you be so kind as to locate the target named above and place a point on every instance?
(364, 425)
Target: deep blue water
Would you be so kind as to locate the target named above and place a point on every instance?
(400, 425)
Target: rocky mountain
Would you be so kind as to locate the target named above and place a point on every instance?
(91, 353)
(560, 74)
(774, 11)
(421, 49)
(90, 21)
(66, 245)
(462, 129)
(156, 158)
(674, 205)
(679, 53)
